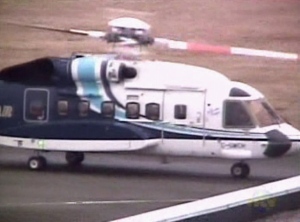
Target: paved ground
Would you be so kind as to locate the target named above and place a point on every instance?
(110, 187)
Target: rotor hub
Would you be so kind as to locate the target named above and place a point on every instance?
(131, 30)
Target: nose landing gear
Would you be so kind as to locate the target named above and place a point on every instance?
(240, 170)
(37, 163)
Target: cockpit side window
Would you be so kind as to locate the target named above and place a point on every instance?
(236, 115)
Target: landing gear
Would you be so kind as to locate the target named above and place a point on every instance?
(37, 163)
(240, 170)
(74, 158)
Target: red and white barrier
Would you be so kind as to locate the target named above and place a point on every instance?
(227, 50)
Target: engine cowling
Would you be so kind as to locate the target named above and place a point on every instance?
(117, 71)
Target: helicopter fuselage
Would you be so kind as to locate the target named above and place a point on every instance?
(102, 103)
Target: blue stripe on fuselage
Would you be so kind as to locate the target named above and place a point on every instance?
(86, 69)
(87, 78)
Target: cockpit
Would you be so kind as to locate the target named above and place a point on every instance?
(247, 108)
(246, 113)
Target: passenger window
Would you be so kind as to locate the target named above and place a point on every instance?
(37, 110)
(236, 115)
(132, 110)
(83, 108)
(152, 111)
(180, 111)
(36, 105)
(108, 109)
(62, 107)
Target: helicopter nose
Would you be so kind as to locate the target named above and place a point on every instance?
(278, 144)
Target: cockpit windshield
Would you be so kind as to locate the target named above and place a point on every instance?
(264, 114)
(249, 114)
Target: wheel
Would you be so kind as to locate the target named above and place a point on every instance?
(44, 161)
(74, 158)
(240, 170)
(37, 163)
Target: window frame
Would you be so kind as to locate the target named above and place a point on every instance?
(176, 114)
(80, 112)
(28, 93)
(131, 116)
(148, 112)
(61, 112)
(112, 114)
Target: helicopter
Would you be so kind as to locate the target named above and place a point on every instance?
(121, 103)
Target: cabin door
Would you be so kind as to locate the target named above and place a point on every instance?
(184, 108)
(36, 105)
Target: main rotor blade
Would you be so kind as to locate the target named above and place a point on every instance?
(95, 34)
(227, 50)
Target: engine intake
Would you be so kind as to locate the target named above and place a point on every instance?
(117, 71)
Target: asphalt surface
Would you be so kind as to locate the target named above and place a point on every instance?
(108, 187)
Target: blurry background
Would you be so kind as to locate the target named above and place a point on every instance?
(268, 24)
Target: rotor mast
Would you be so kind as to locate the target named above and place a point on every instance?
(129, 36)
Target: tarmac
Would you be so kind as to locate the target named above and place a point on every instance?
(108, 187)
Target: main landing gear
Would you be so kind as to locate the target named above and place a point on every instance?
(74, 158)
(39, 162)
(240, 170)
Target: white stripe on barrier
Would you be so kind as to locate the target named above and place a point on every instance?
(218, 203)
(264, 53)
(177, 45)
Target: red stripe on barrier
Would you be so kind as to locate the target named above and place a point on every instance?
(196, 47)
